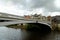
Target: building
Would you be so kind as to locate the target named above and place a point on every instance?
(56, 19)
(44, 18)
(27, 17)
(39, 17)
(48, 18)
(56, 22)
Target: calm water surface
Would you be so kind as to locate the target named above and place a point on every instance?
(18, 34)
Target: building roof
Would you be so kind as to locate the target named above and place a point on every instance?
(57, 18)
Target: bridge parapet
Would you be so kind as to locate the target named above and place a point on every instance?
(5, 15)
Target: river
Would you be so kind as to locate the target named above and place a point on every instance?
(18, 34)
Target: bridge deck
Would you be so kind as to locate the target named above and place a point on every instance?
(15, 22)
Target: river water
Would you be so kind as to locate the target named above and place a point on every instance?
(18, 34)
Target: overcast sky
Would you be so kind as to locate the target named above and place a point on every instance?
(27, 7)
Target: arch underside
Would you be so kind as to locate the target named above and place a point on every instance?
(38, 27)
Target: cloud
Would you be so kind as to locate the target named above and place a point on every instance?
(55, 13)
(33, 4)
(25, 7)
(10, 8)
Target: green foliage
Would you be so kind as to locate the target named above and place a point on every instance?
(12, 25)
(29, 26)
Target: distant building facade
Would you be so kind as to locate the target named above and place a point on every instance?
(55, 22)
(56, 19)
(39, 17)
(27, 17)
(49, 18)
(36, 17)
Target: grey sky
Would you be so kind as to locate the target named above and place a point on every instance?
(22, 7)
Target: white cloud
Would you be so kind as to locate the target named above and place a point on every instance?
(22, 7)
(57, 3)
(54, 13)
(10, 8)
(38, 11)
(13, 9)
(28, 1)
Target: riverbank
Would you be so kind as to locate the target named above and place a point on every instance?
(15, 26)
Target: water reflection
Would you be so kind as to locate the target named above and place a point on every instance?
(18, 34)
(11, 34)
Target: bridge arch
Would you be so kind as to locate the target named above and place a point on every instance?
(39, 27)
